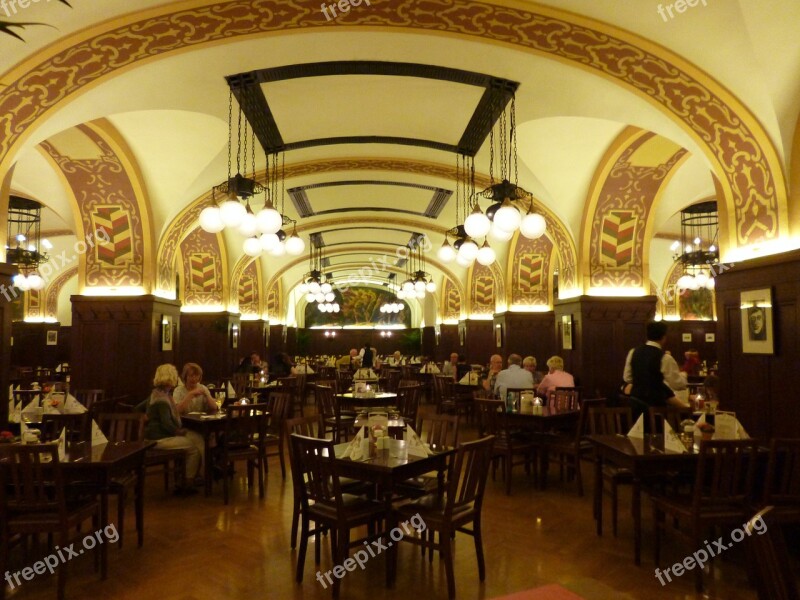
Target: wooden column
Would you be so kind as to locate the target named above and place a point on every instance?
(761, 388)
(6, 272)
(117, 342)
(527, 334)
(212, 340)
(479, 341)
(253, 337)
(603, 330)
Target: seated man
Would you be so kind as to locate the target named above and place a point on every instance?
(529, 364)
(395, 359)
(512, 377)
(495, 366)
(451, 366)
(346, 361)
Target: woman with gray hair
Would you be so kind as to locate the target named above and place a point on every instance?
(556, 377)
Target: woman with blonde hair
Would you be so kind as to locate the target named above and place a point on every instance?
(164, 426)
(556, 377)
(191, 395)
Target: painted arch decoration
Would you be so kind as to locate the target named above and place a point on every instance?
(275, 301)
(529, 272)
(203, 270)
(54, 289)
(249, 297)
(483, 290)
(451, 302)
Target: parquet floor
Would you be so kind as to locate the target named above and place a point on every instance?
(198, 549)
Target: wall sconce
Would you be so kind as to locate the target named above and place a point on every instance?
(234, 336)
(330, 334)
(166, 333)
(386, 334)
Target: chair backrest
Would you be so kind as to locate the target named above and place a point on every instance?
(466, 479)
(331, 383)
(32, 484)
(78, 426)
(239, 382)
(408, 402)
(326, 406)
(582, 426)
(609, 420)
(489, 412)
(245, 425)
(725, 473)
(279, 405)
(345, 378)
(671, 414)
(89, 397)
(313, 473)
(393, 379)
(123, 427)
(783, 473)
(439, 430)
(564, 398)
(770, 565)
(306, 426)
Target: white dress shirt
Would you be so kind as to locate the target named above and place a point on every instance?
(669, 368)
(512, 377)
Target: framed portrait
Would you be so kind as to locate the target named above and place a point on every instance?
(166, 333)
(498, 336)
(566, 332)
(686, 337)
(52, 337)
(757, 329)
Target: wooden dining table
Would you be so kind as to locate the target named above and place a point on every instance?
(645, 458)
(380, 400)
(207, 425)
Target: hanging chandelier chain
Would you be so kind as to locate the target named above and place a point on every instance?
(230, 130)
(239, 143)
(503, 144)
(491, 156)
(514, 158)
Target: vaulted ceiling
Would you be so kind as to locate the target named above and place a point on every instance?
(617, 107)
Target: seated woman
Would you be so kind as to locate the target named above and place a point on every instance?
(556, 377)
(54, 401)
(164, 426)
(191, 395)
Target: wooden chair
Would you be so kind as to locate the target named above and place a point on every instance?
(311, 427)
(289, 385)
(438, 431)
(507, 446)
(570, 447)
(245, 431)
(782, 486)
(444, 394)
(124, 427)
(78, 427)
(770, 566)
(612, 421)
(408, 402)
(33, 500)
(673, 415)
(564, 398)
(722, 492)
(89, 397)
(323, 502)
(279, 403)
(458, 508)
(335, 423)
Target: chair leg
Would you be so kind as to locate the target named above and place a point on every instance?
(507, 466)
(578, 475)
(295, 523)
(446, 548)
(658, 521)
(280, 457)
(301, 554)
(614, 504)
(476, 534)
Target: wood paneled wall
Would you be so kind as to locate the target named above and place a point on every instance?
(480, 341)
(254, 337)
(527, 334)
(207, 339)
(30, 347)
(116, 343)
(761, 388)
(698, 330)
(603, 331)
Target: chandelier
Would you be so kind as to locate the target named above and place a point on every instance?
(264, 230)
(24, 235)
(418, 281)
(316, 285)
(503, 217)
(395, 306)
(697, 250)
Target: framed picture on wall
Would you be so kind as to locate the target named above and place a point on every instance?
(52, 337)
(686, 337)
(756, 309)
(566, 332)
(166, 333)
(711, 337)
(498, 335)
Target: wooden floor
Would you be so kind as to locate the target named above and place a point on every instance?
(197, 548)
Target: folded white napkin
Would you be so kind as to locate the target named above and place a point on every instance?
(429, 368)
(62, 445)
(354, 448)
(726, 426)
(231, 392)
(415, 445)
(671, 440)
(97, 435)
(637, 431)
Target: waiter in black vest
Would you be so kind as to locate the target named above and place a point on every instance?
(653, 374)
(367, 356)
